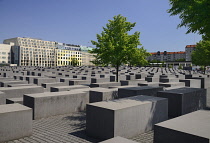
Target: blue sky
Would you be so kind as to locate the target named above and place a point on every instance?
(78, 21)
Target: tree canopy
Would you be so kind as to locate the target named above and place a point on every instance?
(74, 62)
(116, 47)
(201, 55)
(194, 14)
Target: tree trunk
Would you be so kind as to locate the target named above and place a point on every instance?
(204, 69)
(117, 69)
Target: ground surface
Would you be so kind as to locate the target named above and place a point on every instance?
(68, 128)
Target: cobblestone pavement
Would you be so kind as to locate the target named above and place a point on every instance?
(68, 128)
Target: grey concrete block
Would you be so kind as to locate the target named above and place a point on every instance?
(191, 83)
(15, 92)
(105, 84)
(131, 82)
(50, 104)
(14, 100)
(142, 90)
(6, 83)
(2, 98)
(152, 79)
(169, 80)
(130, 77)
(189, 128)
(41, 80)
(48, 86)
(16, 85)
(99, 80)
(184, 100)
(15, 122)
(30, 79)
(102, 94)
(67, 88)
(118, 140)
(66, 79)
(126, 117)
(172, 84)
(78, 82)
(149, 84)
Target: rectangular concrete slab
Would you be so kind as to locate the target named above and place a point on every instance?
(6, 83)
(67, 88)
(2, 98)
(41, 80)
(15, 92)
(125, 117)
(55, 103)
(14, 100)
(190, 128)
(15, 122)
(184, 100)
(143, 90)
(102, 94)
(105, 84)
(118, 139)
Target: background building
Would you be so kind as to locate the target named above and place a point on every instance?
(32, 52)
(37, 52)
(189, 49)
(167, 56)
(86, 56)
(5, 53)
(66, 52)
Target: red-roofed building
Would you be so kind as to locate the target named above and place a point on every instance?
(173, 56)
(167, 56)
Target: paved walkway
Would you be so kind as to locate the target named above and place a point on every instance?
(68, 128)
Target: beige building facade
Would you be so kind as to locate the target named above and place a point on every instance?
(27, 51)
(67, 54)
(32, 52)
(5, 53)
(86, 56)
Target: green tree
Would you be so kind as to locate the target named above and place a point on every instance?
(139, 57)
(180, 60)
(180, 67)
(170, 66)
(115, 46)
(201, 55)
(74, 61)
(194, 14)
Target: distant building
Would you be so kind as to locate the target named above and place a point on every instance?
(189, 49)
(32, 52)
(173, 56)
(66, 52)
(5, 53)
(37, 52)
(167, 56)
(86, 56)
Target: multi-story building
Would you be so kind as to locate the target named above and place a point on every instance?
(66, 53)
(32, 52)
(86, 56)
(5, 53)
(173, 56)
(189, 49)
(167, 56)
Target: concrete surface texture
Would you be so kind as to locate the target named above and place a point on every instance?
(193, 127)
(133, 91)
(72, 127)
(184, 100)
(15, 122)
(126, 117)
(50, 104)
(118, 139)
